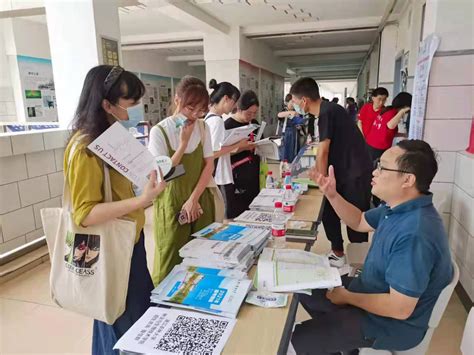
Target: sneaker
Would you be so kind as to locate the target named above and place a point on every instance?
(336, 261)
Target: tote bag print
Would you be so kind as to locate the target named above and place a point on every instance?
(81, 253)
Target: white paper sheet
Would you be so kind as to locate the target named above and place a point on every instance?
(118, 148)
(237, 134)
(267, 148)
(172, 331)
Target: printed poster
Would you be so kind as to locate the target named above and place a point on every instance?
(420, 87)
(110, 52)
(37, 85)
(157, 97)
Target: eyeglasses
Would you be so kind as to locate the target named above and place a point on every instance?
(112, 78)
(379, 168)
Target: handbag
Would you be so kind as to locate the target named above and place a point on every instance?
(90, 266)
(219, 206)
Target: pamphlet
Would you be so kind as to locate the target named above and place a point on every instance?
(119, 149)
(173, 331)
(237, 134)
(289, 270)
(210, 293)
(258, 217)
(268, 148)
(267, 299)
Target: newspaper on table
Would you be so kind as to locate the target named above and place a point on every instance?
(235, 135)
(266, 201)
(227, 252)
(173, 331)
(268, 148)
(122, 151)
(246, 235)
(244, 266)
(288, 270)
(199, 290)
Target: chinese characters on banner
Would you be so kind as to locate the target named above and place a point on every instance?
(420, 88)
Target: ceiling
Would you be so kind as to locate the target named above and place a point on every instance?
(326, 39)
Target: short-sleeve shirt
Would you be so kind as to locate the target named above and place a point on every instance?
(85, 176)
(380, 136)
(157, 143)
(409, 253)
(224, 168)
(367, 115)
(347, 151)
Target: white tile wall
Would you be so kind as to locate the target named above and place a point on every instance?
(463, 209)
(17, 223)
(56, 182)
(27, 143)
(12, 169)
(466, 280)
(464, 172)
(34, 190)
(447, 135)
(9, 198)
(34, 235)
(442, 195)
(446, 164)
(59, 156)
(446, 217)
(55, 202)
(56, 139)
(445, 102)
(458, 241)
(40, 163)
(12, 244)
(442, 72)
(3, 109)
(5, 146)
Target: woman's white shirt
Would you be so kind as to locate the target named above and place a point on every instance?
(157, 143)
(224, 167)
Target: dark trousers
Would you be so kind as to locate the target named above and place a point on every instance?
(375, 154)
(105, 336)
(357, 192)
(333, 329)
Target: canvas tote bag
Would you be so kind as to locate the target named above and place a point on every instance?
(90, 266)
(219, 205)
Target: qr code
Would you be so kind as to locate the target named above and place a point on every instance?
(264, 217)
(192, 336)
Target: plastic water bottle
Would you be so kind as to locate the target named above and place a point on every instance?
(279, 227)
(284, 167)
(269, 182)
(288, 200)
(287, 179)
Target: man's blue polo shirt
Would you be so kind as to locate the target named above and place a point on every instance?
(409, 253)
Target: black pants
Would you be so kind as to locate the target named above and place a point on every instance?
(333, 328)
(357, 192)
(375, 154)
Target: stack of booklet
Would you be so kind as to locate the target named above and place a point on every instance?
(213, 291)
(265, 200)
(256, 238)
(290, 270)
(217, 254)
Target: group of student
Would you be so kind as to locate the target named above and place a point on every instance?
(407, 266)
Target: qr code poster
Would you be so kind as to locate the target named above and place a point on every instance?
(172, 331)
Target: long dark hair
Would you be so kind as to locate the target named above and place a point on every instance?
(222, 89)
(90, 118)
(402, 100)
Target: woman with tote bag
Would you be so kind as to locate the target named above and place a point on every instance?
(110, 94)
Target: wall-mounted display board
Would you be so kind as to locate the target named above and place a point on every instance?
(37, 86)
(110, 51)
(157, 96)
(249, 77)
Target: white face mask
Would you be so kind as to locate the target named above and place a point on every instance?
(135, 116)
(298, 109)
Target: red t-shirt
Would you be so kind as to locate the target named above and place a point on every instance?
(367, 116)
(380, 136)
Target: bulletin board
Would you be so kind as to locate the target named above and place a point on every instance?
(249, 77)
(37, 86)
(157, 96)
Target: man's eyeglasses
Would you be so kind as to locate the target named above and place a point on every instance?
(379, 168)
(112, 78)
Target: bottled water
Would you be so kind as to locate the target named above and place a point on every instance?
(269, 182)
(288, 200)
(278, 227)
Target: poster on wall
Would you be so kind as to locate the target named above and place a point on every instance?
(37, 85)
(420, 87)
(249, 76)
(157, 97)
(110, 51)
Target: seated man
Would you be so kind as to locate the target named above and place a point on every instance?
(389, 305)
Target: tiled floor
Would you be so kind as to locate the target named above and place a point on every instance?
(30, 323)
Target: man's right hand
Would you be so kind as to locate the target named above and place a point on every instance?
(327, 184)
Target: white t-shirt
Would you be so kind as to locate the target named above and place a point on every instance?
(157, 143)
(224, 167)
